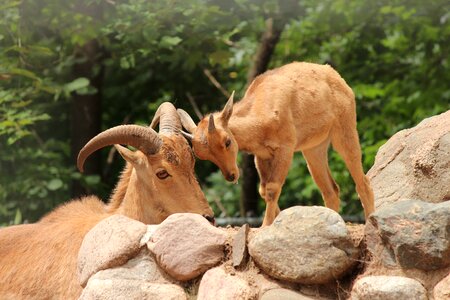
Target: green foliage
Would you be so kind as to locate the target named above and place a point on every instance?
(394, 54)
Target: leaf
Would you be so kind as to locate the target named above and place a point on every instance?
(9, 5)
(41, 50)
(23, 72)
(220, 57)
(77, 84)
(92, 179)
(18, 217)
(54, 184)
(169, 41)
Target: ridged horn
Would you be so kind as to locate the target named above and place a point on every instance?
(143, 138)
(187, 121)
(168, 119)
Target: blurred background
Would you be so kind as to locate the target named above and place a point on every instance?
(69, 69)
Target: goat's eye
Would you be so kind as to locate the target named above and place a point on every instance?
(227, 143)
(162, 174)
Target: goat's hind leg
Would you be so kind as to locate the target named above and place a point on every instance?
(317, 160)
(345, 141)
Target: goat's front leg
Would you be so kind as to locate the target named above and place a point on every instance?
(263, 168)
(276, 175)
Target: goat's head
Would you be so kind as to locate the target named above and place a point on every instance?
(212, 140)
(163, 166)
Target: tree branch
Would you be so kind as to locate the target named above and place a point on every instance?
(216, 83)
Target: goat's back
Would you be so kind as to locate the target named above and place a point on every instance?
(40, 260)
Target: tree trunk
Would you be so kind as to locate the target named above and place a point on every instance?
(86, 109)
(249, 193)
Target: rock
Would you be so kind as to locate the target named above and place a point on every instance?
(139, 278)
(123, 289)
(148, 235)
(442, 290)
(412, 234)
(413, 164)
(285, 294)
(240, 253)
(388, 288)
(112, 242)
(309, 245)
(142, 267)
(216, 284)
(186, 245)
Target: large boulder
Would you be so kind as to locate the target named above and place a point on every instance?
(186, 245)
(217, 284)
(411, 234)
(388, 288)
(112, 242)
(309, 245)
(414, 164)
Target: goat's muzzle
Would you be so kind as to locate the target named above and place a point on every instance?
(210, 219)
(231, 177)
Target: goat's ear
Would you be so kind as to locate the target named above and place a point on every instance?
(130, 156)
(186, 121)
(227, 110)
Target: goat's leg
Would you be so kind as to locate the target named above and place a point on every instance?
(280, 164)
(346, 142)
(263, 168)
(317, 160)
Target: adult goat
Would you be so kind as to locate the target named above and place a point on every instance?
(39, 261)
(297, 107)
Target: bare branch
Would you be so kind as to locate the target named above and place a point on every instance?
(216, 83)
(194, 106)
(221, 207)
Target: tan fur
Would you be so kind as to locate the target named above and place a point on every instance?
(39, 261)
(297, 107)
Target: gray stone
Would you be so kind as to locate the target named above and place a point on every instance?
(412, 234)
(186, 245)
(217, 284)
(284, 294)
(112, 242)
(309, 245)
(388, 288)
(414, 164)
(240, 251)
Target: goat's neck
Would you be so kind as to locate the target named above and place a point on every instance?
(242, 126)
(131, 200)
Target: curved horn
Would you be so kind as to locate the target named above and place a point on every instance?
(143, 138)
(168, 119)
(188, 136)
(187, 121)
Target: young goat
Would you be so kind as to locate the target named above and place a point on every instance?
(39, 261)
(297, 107)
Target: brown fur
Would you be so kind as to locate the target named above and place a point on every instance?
(39, 261)
(297, 107)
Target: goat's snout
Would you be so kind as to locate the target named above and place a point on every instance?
(231, 177)
(210, 219)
